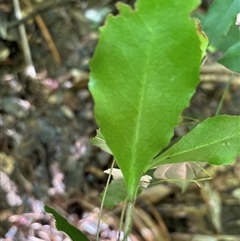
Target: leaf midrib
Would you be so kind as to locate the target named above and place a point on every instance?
(161, 157)
(142, 97)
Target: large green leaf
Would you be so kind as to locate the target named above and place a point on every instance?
(63, 225)
(219, 24)
(143, 73)
(216, 141)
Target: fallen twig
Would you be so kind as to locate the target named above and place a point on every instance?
(46, 34)
(29, 70)
(42, 9)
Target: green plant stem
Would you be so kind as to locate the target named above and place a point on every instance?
(224, 95)
(103, 199)
(129, 216)
(121, 219)
(190, 118)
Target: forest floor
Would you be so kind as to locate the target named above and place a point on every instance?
(46, 124)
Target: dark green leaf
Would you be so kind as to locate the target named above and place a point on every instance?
(219, 24)
(63, 225)
(231, 58)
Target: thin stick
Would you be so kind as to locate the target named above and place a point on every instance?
(45, 8)
(46, 34)
(224, 95)
(190, 118)
(121, 218)
(30, 70)
(103, 199)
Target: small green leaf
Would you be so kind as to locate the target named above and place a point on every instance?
(99, 141)
(219, 24)
(216, 141)
(63, 225)
(116, 193)
(231, 58)
(143, 73)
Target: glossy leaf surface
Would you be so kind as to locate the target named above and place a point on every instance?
(216, 141)
(143, 74)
